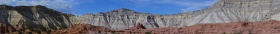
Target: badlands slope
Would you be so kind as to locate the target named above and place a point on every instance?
(221, 12)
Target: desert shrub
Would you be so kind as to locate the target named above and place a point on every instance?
(237, 33)
(148, 33)
(224, 33)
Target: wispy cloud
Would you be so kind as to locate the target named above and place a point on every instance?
(190, 5)
(60, 5)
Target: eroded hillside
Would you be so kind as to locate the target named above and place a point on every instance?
(34, 18)
(221, 12)
(40, 18)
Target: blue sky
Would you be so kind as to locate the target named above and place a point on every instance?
(80, 7)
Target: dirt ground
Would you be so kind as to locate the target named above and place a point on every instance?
(265, 27)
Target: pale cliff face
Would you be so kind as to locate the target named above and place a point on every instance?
(34, 17)
(221, 12)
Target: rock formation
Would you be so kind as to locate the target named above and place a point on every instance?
(223, 11)
(34, 17)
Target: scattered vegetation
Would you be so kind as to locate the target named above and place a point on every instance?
(148, 33)
(224, 33)
(237, 33)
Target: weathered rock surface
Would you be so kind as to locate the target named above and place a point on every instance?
(224, 11)
(120, 19)
(34, 17)
(221, 12)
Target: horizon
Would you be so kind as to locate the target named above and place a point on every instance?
(77, 7)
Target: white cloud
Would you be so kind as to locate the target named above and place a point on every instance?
(192, 6)
(60, 5)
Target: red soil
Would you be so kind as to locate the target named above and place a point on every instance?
(265, 27)
(81, 28)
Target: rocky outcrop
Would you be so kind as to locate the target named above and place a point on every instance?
(34, 17)
(120, 19)
(223, 11)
